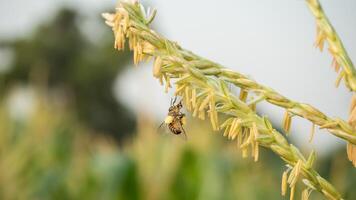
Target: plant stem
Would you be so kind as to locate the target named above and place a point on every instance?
(327, 32)
(203, 86)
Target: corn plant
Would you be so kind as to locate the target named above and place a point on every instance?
(204, 88)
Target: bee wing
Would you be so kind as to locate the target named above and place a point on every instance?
(163, 129)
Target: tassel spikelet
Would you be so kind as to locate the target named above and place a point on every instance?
(312, 133)
(326, 33)
(284, 184)
(202, 84)
(351, 148)
(287, 120)
(340, 60)
(243, 95)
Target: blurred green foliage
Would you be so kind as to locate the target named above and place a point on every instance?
(50, 157)
(47, 156)
(82, 72)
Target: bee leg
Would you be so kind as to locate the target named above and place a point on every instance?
(158, 129)
(185, 135)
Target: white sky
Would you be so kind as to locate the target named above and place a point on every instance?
(270, 40)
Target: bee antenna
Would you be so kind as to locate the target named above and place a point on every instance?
(174, 101)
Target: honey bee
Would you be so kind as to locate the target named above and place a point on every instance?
(175, 119)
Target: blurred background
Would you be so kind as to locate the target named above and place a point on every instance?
(78, 121)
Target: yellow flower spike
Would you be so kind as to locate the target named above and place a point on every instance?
(256, 145)
(257, 152)
(247, 140)
(252, 143)
(205, 102)
(147, 48)
(179, 89)
(320, 40)
(287, 121)
(157, 64)
(227, 130)
(292, 191)
(135, 55)
(233, 128)
(353, 103)
(187, 98)
(161, 80)
(237, 130)
(243, 95)
(335, 65)
(351, 153)
(294, 175)
(312, 132)
(194, 98)
(239, 139)
(211, 116)
(168, 84)
(284, 183)
(339, 78)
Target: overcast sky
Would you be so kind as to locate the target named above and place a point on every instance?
(269, 40)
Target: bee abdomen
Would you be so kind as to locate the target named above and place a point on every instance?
(173, 129)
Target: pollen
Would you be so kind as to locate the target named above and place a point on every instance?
(168, 120)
